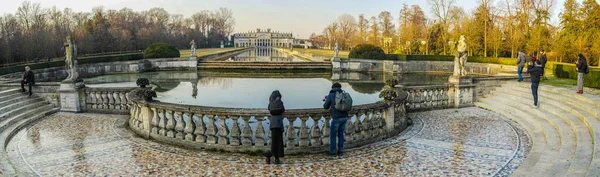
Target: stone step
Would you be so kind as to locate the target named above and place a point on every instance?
(8, 91)
(585, 142)
(586, 98)
(11, 117)
(14, 98)
(18, 104)
(10, 95)
(533, 128)
(556, 132)
(6, 135)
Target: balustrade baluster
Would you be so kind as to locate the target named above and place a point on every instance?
(315, 132)
(235, 132)
(291, 133)
(260, 133)
(222, 130)
(97, 100)
(189, 126)
(303, 142)
(124, 102)
(366, 132)
(117, 103)
(111, 101)
(104, 100)
(211, 132)
(154, 121)
(133, 115)
(199, 130)
(88, 99)
(247, 132)
(179, 125)
(349, 128)
(357, 130)
(162, 123)
(171, 124)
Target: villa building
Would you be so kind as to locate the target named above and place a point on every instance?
(263, 38)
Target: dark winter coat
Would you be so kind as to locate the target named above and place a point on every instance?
(543, 60)
(535, 72)
(581, 64)
(276, 109)
(330, 104)
(29, 77)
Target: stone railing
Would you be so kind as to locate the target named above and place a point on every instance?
(427, 97)
(107, 100)
(244, 130)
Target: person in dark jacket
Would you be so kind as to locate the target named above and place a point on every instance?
(276, 109)
(535, 70)
(521, 60)
(543, 60)
(338, 122)
(29, 79)
(582, 69)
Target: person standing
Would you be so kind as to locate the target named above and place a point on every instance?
(521, 59)
(338, 120)
(29, 79)
(276, 109)
(582, 69)
(535, 70)
(543, 61)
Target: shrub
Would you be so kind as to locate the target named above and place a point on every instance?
(142, 82)
(367, 51)
(569, 71)
(403, 57)
(161, 50)
(492, 60)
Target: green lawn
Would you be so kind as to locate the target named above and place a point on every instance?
(569, 84)
(204, 52)
(323, 52)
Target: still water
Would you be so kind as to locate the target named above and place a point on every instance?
(251, 89)
(265, 54)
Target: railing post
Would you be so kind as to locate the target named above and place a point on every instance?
(260, 133)
(389, 117)
(235, 132)
(291, 133)
(315, 132)
(199, 130)
(222, 130)
(303, 134)
(189, 127)
(247, 132)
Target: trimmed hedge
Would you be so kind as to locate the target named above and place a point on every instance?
(81, 60)
(161, 50)
(367, 51)
(402, 57)
(569, 71)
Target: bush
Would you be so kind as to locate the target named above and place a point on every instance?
(402, 57)
(492, 60)
(569, 71)
(161, 50)
(367, 51)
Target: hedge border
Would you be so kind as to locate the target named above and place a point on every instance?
(569, 71)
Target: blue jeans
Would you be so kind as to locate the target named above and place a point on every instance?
(520, 72)
(337, 130)
(534, 89)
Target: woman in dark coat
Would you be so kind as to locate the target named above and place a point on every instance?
(276, 109)
(582, 69)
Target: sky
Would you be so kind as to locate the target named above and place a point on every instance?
(300, 17)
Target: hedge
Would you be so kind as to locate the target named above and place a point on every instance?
(81, 60)
(367, 51)
(569, 71)
(503, 61)
(161, 50)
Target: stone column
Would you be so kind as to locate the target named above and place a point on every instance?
(72, 96)
(458, 98)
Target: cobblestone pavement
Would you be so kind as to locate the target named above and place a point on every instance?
(463, 142)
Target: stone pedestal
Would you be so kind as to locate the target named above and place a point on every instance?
(72, 97)
(193, 63)
(462, 91)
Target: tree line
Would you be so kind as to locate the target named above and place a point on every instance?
(495, 28)
(35, 32)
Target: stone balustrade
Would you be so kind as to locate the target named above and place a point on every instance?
(244, 130)
(428, 97)
(107, 100)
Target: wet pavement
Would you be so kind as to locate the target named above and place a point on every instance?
(464, 142)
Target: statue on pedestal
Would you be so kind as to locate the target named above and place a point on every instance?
(71, 59)
(336, 50)
(193, 44)
(460, 61)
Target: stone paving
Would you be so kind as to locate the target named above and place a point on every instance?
(463, 142)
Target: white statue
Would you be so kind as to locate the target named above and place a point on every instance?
(71, 59)
(460, 61)
(193, 44)
(336, 50)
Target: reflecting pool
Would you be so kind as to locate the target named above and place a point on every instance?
(265, 54)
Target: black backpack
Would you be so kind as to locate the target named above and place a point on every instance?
(276, 107)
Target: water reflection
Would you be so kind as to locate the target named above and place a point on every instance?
(250, 89)
(265, 54)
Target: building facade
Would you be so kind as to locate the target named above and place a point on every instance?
(263, 38)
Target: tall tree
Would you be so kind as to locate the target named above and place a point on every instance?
(441, 10)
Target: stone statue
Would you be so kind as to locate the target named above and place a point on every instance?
(460, 61)
(336, 50)
(193, 44)
(71, 59)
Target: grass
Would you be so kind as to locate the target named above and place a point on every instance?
(323, 52)
(204, 52)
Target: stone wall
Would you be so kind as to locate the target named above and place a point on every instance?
(46, 90)
(97, 69)
(364, 65)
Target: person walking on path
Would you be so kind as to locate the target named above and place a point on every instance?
(276, 109)
(582, 69)
(543, 61)
(535, 70)
(29, 79)
(338, 123)
(521, 59)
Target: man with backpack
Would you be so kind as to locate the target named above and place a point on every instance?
(340, 103)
